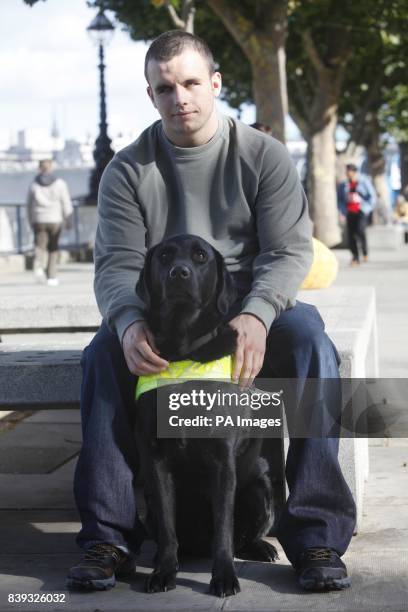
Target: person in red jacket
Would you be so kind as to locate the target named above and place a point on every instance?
(356, 199)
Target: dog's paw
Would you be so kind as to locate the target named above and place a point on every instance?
(258, 550)
(160, 581)
(224, 582)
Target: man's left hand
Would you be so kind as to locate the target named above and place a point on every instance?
(251, 346)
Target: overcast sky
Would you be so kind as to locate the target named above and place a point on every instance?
(48, 65)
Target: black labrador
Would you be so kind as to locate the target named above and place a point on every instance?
(201, 494)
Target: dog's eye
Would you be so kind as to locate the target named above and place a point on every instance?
(165, 256)
(200, 255)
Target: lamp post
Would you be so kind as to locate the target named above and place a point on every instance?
(101, 31)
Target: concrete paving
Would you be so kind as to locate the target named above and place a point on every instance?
(38, 521)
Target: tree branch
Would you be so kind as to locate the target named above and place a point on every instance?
(188, 13)
(357, 132)
(311, 51)
(178, 22)
(240, 27)
(303, 105)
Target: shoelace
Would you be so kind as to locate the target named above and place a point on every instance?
(100, 552)
(319, 554)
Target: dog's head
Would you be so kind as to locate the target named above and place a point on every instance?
(185, 284)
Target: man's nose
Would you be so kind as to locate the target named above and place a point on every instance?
(179, 272)
(180, 95)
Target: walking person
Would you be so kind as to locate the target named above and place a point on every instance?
(48, 207)
(356, 200)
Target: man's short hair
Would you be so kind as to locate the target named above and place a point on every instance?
(352, 167)
(172, 43)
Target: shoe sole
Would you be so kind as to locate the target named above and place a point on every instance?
(90, 585)
(333, 584)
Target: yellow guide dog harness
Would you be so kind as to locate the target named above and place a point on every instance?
(181, 371)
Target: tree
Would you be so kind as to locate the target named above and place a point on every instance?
(372, 104)
(325, 39)
(260, 29)
(248, 41)
(394, 119)
(319, 47)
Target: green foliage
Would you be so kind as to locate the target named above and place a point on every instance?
(393, 115)
(144, 21)
(372, 31)
(368, 33)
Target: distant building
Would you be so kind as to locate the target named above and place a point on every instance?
(75, 154)
(34, 144)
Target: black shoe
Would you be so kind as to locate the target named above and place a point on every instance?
(321, 569)
(96, 570)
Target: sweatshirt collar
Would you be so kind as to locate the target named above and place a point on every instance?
(188, 152)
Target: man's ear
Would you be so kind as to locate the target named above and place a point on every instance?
(226, 291)
(150, 94)
(143, 286)
(216, 84)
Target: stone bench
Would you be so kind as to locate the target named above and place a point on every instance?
(50, 375)
(385, 237)
(350, 318)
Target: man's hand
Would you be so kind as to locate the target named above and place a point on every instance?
(140, 351)
(251, 346)
(69, 222)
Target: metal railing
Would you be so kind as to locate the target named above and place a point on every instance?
(16, 236)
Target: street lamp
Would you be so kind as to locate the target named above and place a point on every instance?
(101, 31)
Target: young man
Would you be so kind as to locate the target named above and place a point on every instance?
(356, 200)
(199, 172)
(48, 206)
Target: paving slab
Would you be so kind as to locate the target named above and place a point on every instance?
(34, 459)
(62, 416)
(37, 543)
(37, 561)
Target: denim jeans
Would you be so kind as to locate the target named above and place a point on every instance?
(320, 510)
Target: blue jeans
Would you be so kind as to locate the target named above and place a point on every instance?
(320, 510)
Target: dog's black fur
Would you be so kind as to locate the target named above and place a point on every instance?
(199, 492)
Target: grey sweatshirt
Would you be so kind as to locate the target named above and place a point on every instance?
(240, 192)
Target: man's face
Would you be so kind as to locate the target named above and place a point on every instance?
(45, 166)
(351, 174)
(184, 92)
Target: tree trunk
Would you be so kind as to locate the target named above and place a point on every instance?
(269, 88)
(322, 183)
(265, 50)
(403, 150)
(322, 162)
(376, 162)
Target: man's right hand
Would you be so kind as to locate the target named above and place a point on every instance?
(140, 351)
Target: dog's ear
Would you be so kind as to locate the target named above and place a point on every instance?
(226, 291)
(143, 287)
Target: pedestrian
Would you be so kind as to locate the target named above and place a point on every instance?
(48, 208)
(356, 200)
(262, 127)
(201, 172)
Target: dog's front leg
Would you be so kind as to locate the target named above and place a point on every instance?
(224, 581)
(163, 577)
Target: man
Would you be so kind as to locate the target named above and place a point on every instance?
(356, 200)
(48, 206)
(199, 172)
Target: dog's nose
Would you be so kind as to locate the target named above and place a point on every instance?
(181, 272)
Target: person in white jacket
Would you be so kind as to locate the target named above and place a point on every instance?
(48, 207)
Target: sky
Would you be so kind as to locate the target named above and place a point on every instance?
(48, 66)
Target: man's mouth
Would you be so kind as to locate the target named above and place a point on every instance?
(184, 114)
